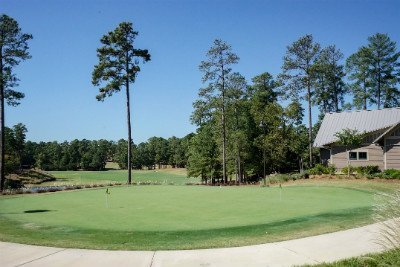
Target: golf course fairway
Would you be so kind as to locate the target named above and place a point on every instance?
(180, 217)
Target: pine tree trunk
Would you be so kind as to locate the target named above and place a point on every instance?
(225, 179)
(336, 103)
(309, 122)
(128, 120)
(264, 167)
(2, 143)
(239, 168)
(379, 88)
(365, 95)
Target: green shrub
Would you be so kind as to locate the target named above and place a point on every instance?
(371, 176)
(13, 184)
(305, 174)
(345, 169)
(390, 174)
(331, 169)
(11, 164)
(368, 170)
(300, 175)
(319, 169)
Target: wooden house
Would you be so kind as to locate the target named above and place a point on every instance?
(381, 146)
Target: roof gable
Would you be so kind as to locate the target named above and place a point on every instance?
(362, 121)
(391, 129)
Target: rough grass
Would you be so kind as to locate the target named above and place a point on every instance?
(388, 258)
(178, 217)
(376, 185)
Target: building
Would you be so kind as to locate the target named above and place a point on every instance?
(381, 145)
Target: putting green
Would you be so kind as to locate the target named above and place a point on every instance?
(165, 211)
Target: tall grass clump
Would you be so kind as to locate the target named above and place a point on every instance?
(387, 213)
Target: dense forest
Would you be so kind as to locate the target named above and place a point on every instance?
(92, 155)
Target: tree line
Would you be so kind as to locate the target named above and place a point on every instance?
(244, 130)
(91, 154)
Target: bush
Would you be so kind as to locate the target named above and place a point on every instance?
(345, 169)
(319, 169)
(390, 174)
(368, 170)
(372, 176)
(331, 169)
(11, 164)
(301, 175)
(13, 184)
(304, 174)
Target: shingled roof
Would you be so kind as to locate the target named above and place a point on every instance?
(362, 121)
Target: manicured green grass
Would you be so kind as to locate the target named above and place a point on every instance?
(165, 176)
(180, 217)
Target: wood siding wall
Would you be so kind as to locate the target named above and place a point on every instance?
(388, 151)
(375, 156)
(392, 153)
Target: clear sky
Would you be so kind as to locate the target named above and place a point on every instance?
(60, 100)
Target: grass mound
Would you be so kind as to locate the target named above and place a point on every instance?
(29, 177)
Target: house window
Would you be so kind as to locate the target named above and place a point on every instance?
(358, 155)
(353, 155)
(362, 156)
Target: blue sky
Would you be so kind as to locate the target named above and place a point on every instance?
(60, 100)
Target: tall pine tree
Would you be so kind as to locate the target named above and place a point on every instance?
(215, 70)
(13, 50)
(384, 70)
(357, 68)
(297, 75)
(118, 67)
(328, 73)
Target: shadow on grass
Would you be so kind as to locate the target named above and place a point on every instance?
(27, 211)
(36, 211)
